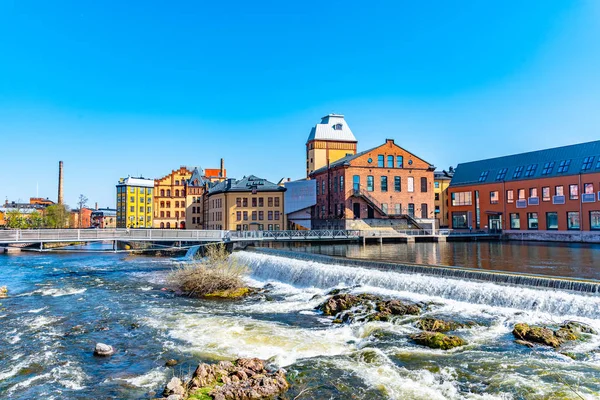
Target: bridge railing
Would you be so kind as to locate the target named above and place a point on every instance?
(295, 235)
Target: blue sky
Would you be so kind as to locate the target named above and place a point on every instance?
(117, 89)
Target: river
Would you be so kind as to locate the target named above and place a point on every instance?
(61, 305)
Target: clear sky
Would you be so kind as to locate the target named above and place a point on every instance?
(117, 88)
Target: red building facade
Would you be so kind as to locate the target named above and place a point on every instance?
(545, 191)
(385, 182)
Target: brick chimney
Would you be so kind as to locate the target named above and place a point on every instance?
(60, 182)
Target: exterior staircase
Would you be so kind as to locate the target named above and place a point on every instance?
(379, 208)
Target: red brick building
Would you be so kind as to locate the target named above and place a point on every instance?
(383, 183)
(530, 194)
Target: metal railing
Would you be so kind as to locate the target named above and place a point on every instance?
(294, 235)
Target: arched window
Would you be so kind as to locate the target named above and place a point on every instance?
(177, 214)
(162, 225)
(162, 192)
(176, 192)
(169, 192)
(168, 225)
(162, 204)
(337, 127)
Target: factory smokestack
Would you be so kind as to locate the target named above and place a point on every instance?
(222, 168)
(60, 182)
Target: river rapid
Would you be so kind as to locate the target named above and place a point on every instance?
(61, 305)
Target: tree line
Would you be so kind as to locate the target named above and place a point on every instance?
(54, 216)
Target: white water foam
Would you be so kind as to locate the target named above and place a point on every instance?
(150, 379)
(302, 273)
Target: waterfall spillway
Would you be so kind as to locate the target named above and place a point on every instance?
(477, 287)
(191, 253)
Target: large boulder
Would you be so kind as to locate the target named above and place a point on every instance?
(103, 350)
(440, 325)
(174, 387)
(537, 334)
(338, 303)
(437, 340)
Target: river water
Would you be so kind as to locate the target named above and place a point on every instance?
(61, 305)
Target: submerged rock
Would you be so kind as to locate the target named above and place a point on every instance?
(566, 332)
(365, 307)
(229, 293)
(437, 340)
(440, 325)
(246, 378)
(103, 350)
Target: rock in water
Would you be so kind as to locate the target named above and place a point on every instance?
(171, 363)
(103, 350)
(3, 292)
(537, 334)
(437, 340)
(174, 388)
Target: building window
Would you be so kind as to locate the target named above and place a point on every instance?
(501, 174)
(587, 163)
(380, 159)
(510, 196)
(423, 185)
(356, 182)
(411, 209)
(269, 202)
(532, 221)
(494, 197)
(595, 220)
(384, 185)
(177, 204)
(461, 199)
(559, 191)
(546, 193)
(548, 168)
(533, 192)
(588, 188)
(390, 161)
(436, 185)
(168, 216)
(132, 199)
(254, 202)
(410, 182)
(276, 215)
(563, 166)
(551, 220)
(162, 214)
(483, 176)
(399, 161)
(245, 215)
(342, 183)
(270, 214)
(261, 202)
(132, 190)
(132, 209)
(370, 183)
(276, 199)
(397, 208)
(245, 202)
(168, 192)
(573, 192)
(515, 222)
(459, 220)
(384, 208)
(424, 210)
(238, 201)
(177, 214)
(573, 220)
(254, 215)
(162, 192)
(530, 171)
(518, 172)
(176, 192)
(397, 187)
(521, 194)
(437, 197)
(141, 209)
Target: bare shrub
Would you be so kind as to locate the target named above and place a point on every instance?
(216, 272)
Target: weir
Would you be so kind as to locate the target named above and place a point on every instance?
(495, 276)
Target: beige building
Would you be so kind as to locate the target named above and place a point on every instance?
(329, 141)
(196, 187)
(170, 202)
(441, 182)
(251, 203)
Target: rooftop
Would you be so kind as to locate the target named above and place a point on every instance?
(249, 183)
(575, 159)
(332, 127)
(138, 182)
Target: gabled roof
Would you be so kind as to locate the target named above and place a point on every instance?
(196, 180)
(558, 161)
(332, 127)
(346, 160)
(246, 184)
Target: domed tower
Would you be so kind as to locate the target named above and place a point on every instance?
(329, 140)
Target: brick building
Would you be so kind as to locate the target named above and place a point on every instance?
(546, 193)
(383, 183)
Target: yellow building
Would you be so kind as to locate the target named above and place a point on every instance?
(249, 204)
(134, 203)
(441, 181)
(170, 199)
(329, 140)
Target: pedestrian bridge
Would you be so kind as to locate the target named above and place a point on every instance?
(35, 236)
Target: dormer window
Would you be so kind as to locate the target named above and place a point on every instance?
(337, 127)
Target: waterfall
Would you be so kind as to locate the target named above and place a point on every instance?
(478, 287)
